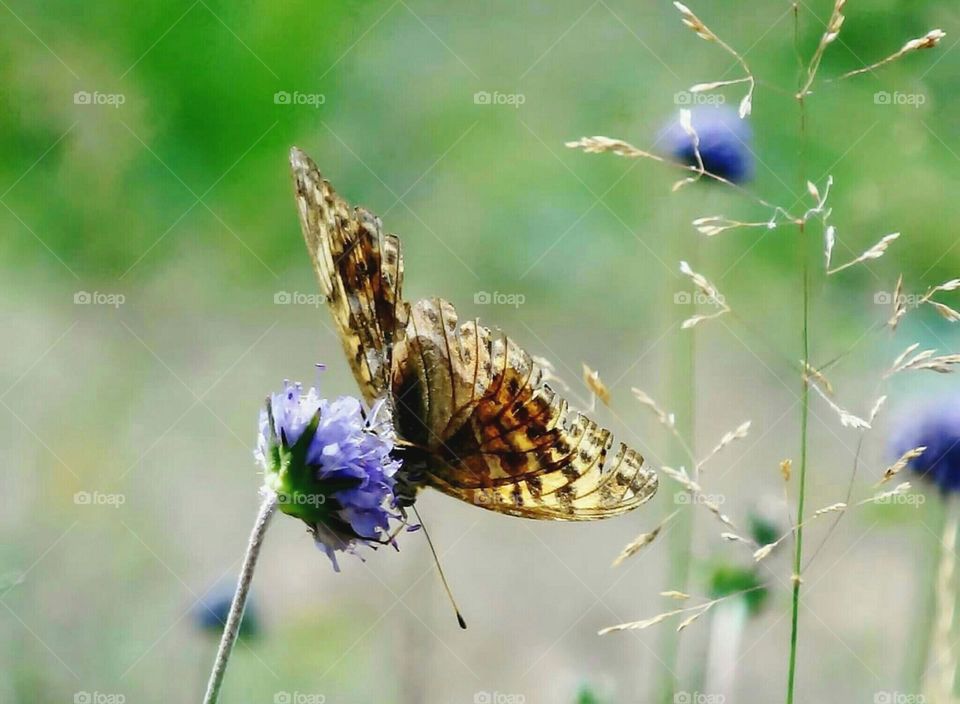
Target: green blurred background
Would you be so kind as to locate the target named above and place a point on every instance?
(179, 200)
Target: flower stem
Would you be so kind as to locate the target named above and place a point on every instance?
(940, 676)
(232, 628)
(919, 648)
(804, 391)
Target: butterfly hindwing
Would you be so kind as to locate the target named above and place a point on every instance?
(472, 407)
(497, 435)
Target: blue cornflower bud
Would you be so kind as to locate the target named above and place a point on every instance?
(330, 464)
(936, 427)
(725, 142)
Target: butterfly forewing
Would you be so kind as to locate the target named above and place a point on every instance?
(471, 404)
(360, 272)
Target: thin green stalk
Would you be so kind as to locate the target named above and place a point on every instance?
(802, 482)
(681, 380)
(918, 650)
(805, 388)
(232, 628)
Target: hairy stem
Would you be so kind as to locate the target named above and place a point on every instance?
(232, 627)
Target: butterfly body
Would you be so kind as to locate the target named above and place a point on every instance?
(471, 408)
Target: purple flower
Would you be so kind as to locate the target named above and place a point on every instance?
(724, 142)
(330, 465)
(936, 427)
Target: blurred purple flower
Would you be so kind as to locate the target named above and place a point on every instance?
(936, 427)
(330, 464)
(725, 142)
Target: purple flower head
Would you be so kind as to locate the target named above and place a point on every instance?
(330, 464)
(725, 142)
(936, 427)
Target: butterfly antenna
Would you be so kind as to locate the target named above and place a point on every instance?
(443, 578)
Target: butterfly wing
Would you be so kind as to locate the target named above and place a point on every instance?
(495, 435)
(360, 271)
(472, 406)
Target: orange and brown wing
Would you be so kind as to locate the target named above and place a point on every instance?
(360, 271)
(496, 435)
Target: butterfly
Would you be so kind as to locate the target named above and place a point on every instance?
(472, 410)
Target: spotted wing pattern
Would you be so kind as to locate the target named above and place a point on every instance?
(360, 271)
(471, 406)
(499, 437)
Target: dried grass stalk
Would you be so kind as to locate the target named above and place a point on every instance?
(709, 291)
(928, 41)
(729, 437)
(667, 419)
(899, 304)
(894, 469)
(847, 419)
(592, 379)
(829, 36)
(786, 467)
(707, 34)
(877, 405)
(875, 252)
(927, 359)
(641, 541)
